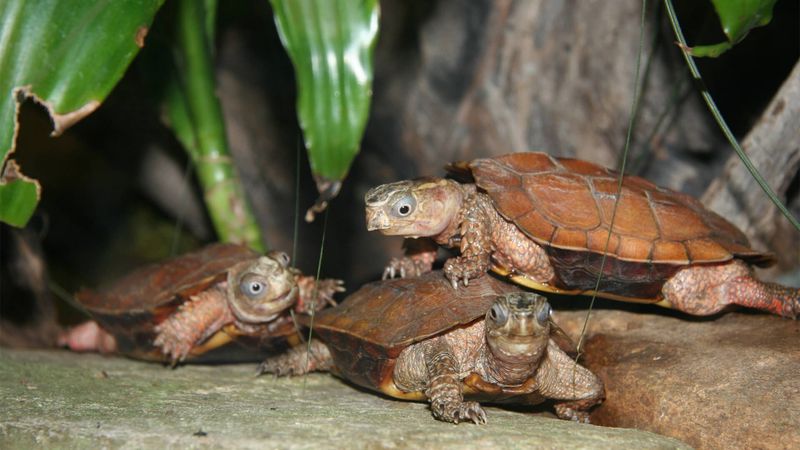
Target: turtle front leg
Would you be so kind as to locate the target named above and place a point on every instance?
(314, 295)
(704, 290)
(475, 244)
(560, 378)
(299, 360)
(194, 321)
(445, 389)
(419, 257)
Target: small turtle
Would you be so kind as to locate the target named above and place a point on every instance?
(197, 302)
(544, 221)
(417, 339)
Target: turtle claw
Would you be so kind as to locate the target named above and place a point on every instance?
(455, 412)
(406, 267)
(569, 411)
(461, 269)
(171, 347)
(472, 411)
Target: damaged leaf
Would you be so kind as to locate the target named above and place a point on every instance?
(330, 43)
(67, 56)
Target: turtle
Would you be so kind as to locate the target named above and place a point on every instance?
(196, 302)
(417, 339)
(544, 222)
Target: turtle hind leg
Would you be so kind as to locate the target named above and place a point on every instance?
(299, 360)
(560, 378)
(704, 290)
(88, 337)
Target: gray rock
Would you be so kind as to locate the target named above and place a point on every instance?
(61, 399)
(725, 382)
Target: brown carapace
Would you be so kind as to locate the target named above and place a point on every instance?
(545, 221)
(417, 339)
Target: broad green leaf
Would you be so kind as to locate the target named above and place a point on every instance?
(737, 17)
(68, 55)
(330, 43)
(184, 66)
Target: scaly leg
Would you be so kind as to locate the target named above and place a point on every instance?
(196, 320)
(299, 361)
(704, 290)
(444, 388)
(561, 378)
(476, 243)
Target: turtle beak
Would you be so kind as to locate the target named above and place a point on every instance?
(376, 219)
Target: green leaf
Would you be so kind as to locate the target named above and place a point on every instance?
(67, 55)
(330, 43)
(195, 115)
(737, 17)
(18, 196)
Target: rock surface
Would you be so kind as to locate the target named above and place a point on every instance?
(727, 382)
(59, 399)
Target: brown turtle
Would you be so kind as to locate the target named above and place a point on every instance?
(196, 302)
(417, 339)
(544, 221)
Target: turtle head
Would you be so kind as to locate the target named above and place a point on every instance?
(259, 290)
(413, 208)
(518, 330)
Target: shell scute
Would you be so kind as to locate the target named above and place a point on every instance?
(564, 199)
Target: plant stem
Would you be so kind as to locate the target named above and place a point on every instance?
(207, 144)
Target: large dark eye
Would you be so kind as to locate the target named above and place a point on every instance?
(498, 314)
(404, 206)
(253, 286)
(544, 314)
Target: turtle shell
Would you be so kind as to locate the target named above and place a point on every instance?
(131, 307)
(367, 332)
(566, 205)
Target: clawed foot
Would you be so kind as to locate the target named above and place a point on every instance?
(456, 412)
(298, 360)
(569, 412)
(791, 307)
(323, 289)
(462, 268)
(174, 348)
(283, 366)
(406, 267)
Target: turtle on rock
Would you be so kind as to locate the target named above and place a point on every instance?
(196, 302)
(417, 339)
(545, 221)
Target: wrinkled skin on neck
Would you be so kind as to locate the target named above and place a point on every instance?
(517, 331)
(427, 207)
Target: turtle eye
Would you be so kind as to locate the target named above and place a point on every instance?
(498, 314)
(253, 286)
(281, 257)
(405, 206)
(544, 313)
